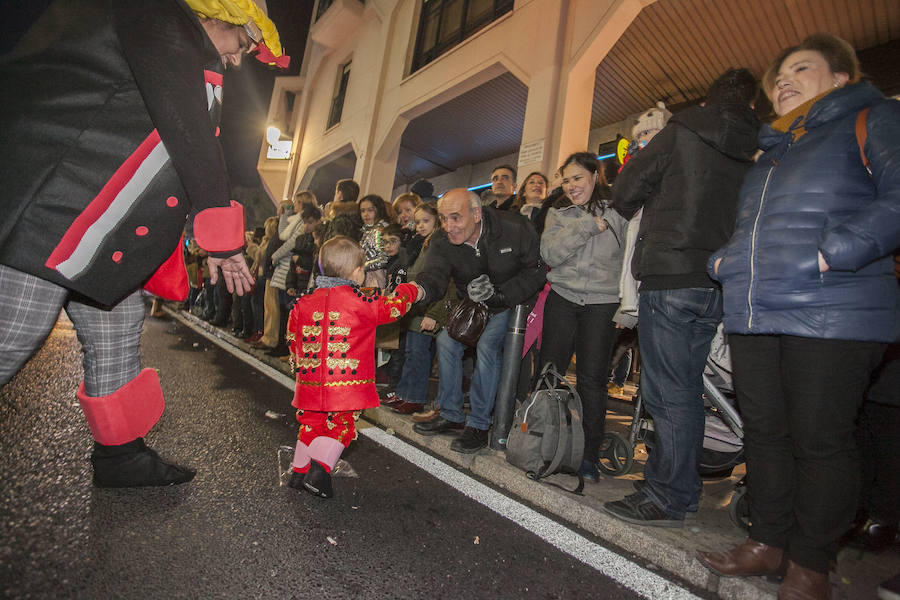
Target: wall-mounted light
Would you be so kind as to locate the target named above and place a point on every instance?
(279, 149)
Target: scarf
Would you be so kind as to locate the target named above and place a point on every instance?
(324, 281)
(794, 122)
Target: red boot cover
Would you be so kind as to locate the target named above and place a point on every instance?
(220, 229)
(300, 463)
(170, 280)
(126, 414)
(326, 450)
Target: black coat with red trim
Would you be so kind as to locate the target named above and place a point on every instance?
(108, 140)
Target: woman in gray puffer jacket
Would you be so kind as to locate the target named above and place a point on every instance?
(583, 244)
(810, 303)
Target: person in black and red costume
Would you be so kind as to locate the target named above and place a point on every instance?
(108, 140)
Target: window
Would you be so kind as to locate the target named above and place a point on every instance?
(445, 23)
(323, 7)
(337, 103)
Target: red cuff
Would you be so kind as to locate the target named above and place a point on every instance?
(220, 229)
(126, 414)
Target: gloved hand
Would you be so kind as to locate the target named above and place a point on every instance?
(480, 288)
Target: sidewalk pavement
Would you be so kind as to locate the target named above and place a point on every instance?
(671, 550)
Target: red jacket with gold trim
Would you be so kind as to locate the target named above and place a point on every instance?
(331, 332)
(108, 141)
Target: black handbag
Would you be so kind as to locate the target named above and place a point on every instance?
(467, 321)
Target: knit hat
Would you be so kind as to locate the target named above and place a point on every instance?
(253, 17)
(651, 120)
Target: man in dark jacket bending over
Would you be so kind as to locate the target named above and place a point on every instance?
(687, 181)
(494, 257)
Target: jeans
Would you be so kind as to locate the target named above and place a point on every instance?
(676, 328)
(587, 331)
(485, 379)
(419, 352)
(799, 398)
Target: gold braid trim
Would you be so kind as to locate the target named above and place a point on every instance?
(334, 315)
(312, 330)
(336, 383)
(312, 347)
(317, 316)
(342, 363)
(338, 347)
(338, 331)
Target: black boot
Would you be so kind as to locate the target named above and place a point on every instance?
(296, 480)
(134, 465)
(318, 481)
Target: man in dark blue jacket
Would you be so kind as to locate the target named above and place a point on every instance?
(492, 256)
(687, 181)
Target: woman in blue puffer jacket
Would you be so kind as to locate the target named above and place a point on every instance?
(810, 303)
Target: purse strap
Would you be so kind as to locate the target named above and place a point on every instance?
(861, 135)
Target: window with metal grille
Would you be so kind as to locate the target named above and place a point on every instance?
(337, 103)
(445, 23)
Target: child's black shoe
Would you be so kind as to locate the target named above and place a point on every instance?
(296, 480)
(318, 481)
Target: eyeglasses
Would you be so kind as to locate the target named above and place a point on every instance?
(253, 31)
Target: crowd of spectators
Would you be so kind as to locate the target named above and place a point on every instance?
(585, 244)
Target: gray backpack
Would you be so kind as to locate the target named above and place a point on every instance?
(547, 436)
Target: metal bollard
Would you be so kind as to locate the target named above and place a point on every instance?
(509, 376)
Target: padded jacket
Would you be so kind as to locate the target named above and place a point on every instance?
(508, 251)
(814, 195)
(687, 180)
(585, 263)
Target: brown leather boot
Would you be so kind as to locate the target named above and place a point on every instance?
(749, 558)
(801, 583)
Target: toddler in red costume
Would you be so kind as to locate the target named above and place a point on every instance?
(331, 332)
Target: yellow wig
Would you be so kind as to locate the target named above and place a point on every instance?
(241, 12)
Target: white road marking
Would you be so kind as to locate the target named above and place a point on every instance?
(612, 565)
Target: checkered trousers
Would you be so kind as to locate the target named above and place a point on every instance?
(110, 338)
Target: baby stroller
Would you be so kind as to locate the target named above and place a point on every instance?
(723, 447)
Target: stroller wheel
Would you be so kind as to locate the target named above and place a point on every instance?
(739, 508)
(616, 455)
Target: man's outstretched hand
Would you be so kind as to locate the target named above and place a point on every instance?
(234, 270)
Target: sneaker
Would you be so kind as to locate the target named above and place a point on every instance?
(439, 425)
(427, 415)
(641, 510)
(614, 389)
(589, 471)
(638, 485)
(391, 399)
(471, 441)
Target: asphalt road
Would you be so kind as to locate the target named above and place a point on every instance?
(395, 531)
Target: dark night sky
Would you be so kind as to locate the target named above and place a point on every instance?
(246, 90)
